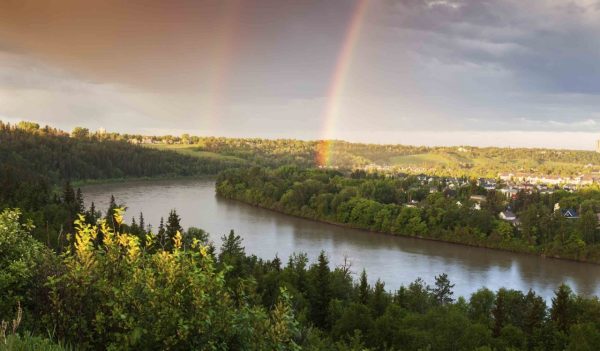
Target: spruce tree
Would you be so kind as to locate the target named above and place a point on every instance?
(110, 212)
(68, 194)
(363, 288)
(91, 216)
(321, 291)
(499, 312)
(442, 292)
(161, 233)
(142, 224)
(562, 305)
(173, 224)
(79, 201)
(379, 299)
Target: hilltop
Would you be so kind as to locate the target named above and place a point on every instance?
(221, 152)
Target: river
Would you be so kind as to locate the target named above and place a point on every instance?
(395, 260)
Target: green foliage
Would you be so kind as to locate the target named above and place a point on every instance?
(117, 296)
(20, 256)
(405, 205)
(28, 342)
(34, 161)
(125, 294)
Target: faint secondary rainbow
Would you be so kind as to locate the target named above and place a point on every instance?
(222, 55)
(338, 81)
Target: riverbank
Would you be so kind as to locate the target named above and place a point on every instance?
(512, 247)
(396, 260)
(86, 182)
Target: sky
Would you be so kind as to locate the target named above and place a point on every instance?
(423, 72)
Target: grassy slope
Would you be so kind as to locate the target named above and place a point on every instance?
(192, 150)
(470, 161)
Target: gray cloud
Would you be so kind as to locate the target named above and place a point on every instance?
(550, 45)
(420, 66)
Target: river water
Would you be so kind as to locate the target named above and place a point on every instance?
(395, 260)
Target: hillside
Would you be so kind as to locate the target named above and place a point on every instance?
(452, 161)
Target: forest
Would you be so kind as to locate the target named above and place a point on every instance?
(119, 287)
(80, 278)
(465, 161)
(217, 152)
(405, 205)
(36, 161)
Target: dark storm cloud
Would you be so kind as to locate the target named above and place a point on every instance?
(263, 67)
(551, 45)
(167, 45)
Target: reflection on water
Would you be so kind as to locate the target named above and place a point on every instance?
(395, 260)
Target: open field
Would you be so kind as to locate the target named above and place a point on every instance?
(467, 161)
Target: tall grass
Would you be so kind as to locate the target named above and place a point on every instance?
(10, 340)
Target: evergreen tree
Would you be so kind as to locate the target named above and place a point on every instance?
(79, 202)
(91, 216)
(161, 235)
(233, 255)
(110, 212)
(68, 194)
(231, 248)
(534, 316)
(321, 291)
(442, 291)
(499, 312)
(276, 263)
(173, 224)
(133, 227)
(562, 306)
(379, 300)
(142, 224)
(364, 290)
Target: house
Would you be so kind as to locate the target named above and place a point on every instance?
(509, 192)
(508, 215)
(487, 184)
(490, 186)
(478, 198)
(570, 213)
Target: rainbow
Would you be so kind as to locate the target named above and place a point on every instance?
(222, 55)
(338, 81)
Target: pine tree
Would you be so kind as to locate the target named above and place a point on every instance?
(276, 263)
(379, 300)
(110, 212)
(68, 194)
(534, 316)
(562, 305)
(499, 312)
(142, 224)
(133, 227)
(231, 248)
(442, 292)
(364, 289)
(173, 224)
(161, 233)
(321, 291)
(91, 216)
(79, 201)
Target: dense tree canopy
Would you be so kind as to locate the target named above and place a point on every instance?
(405, 205)
(124, 294)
